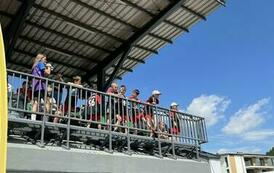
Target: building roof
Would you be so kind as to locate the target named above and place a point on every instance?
(80, 37)
(245, 154)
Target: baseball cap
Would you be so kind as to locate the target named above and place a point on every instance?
(174, 104)
(156, 92)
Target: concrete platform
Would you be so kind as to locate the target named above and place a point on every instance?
(29, 158)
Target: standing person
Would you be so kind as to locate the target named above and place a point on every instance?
(136, 112)
(174, 117)
(58, 89)
(113, 106)
(150, 119)
(39, 69)
(113, 89)
(72, 97)
(122, 106)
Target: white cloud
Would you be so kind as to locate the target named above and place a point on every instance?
(211, 107)
(258, 135)
(247, 118)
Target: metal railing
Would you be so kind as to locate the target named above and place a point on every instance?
(72, 112)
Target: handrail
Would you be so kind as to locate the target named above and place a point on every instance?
(85, 108)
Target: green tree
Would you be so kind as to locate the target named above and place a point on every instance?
(270, 152)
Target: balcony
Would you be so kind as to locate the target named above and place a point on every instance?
(70, 116)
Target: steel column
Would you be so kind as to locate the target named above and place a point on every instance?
(15, 28)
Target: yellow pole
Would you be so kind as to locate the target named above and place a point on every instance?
(3, 107)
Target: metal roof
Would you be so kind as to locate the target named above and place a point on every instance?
(80, 37)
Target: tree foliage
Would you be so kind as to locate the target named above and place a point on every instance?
(270, 152)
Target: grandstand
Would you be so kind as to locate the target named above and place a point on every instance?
(100, 40)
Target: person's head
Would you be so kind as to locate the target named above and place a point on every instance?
(48, 69)
(161, 125)
(24, 84)
(114, 86)
(49, 90)
(77, 80)
(135, 93)
(156, 93)
(174, 106)
(59, 77)
(123, 89)
(39, 58)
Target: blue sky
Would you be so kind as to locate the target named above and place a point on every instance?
(224, 70)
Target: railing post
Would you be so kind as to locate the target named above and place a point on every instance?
(157, 128)
(110, 124)
(44, 116)
(69, 116)
(128, 129)
(172, 136)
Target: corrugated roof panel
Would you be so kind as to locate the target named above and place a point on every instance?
(112, 23)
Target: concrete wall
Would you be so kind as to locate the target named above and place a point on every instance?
(28, 158)
(240, 164)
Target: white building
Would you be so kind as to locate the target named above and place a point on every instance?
(243, 163)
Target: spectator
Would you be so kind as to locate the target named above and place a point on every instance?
(152, 101)
(136, 111)
(50, 105)
(162, 130)
(134, 95)
(174, 117)
(122, 106)
(25, 91)
(115, 117)
(72, 96)
(58, 89)
(94, 105)
(39, 69)
(113, 89)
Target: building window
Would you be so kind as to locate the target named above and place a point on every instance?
(248, 162)
(262, 162)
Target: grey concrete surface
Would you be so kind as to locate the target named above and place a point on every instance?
(27, 158)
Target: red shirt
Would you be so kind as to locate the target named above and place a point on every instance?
(134, 98)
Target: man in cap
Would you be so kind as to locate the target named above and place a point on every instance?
(152, 101)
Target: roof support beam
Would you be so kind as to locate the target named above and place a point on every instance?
(194, 12)
(76, 22)
(147, 28)
(136, 60)
(43, 44)
(117, 68)
(160, 38)
(146, 49)
(15, 28)
(176, 26)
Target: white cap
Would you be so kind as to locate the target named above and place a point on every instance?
(174, 104)
(156, 92)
